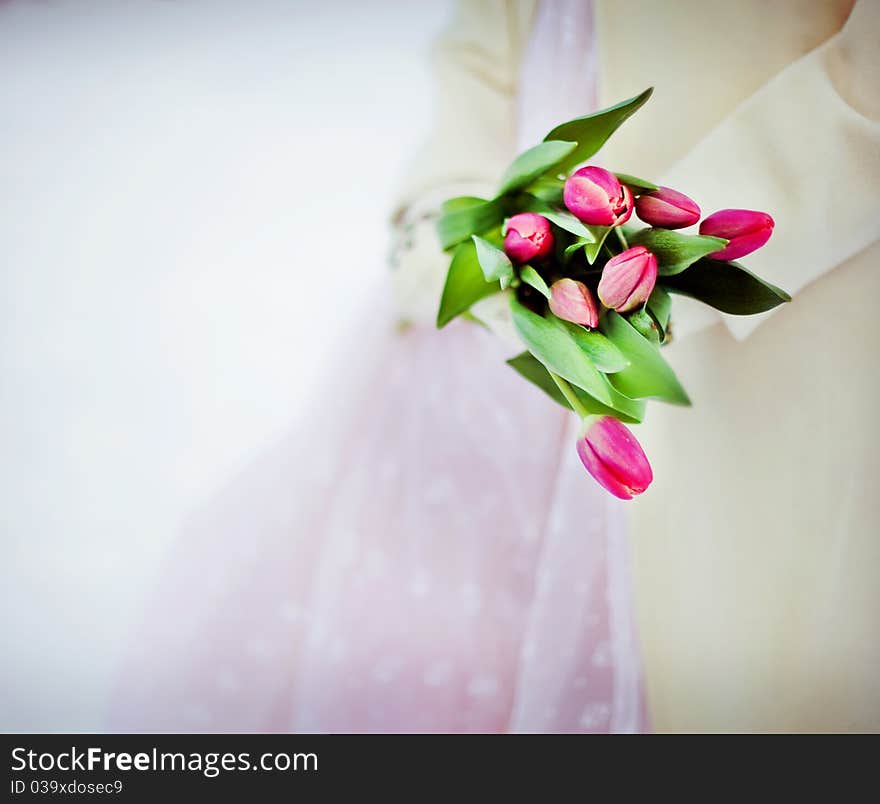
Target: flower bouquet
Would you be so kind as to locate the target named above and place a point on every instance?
(590, 295)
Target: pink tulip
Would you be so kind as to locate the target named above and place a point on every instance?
(595, 196)
(572, 301)
(615, 458)
(745, 229)
(667, 208)
(528, 237)
(628, 279)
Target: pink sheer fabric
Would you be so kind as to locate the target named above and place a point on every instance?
(432, 559)
(559, 68)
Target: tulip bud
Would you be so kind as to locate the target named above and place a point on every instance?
(628, 279)
(614, 457)
(667, 208)
(596, 197)
(528, 237)
(745, 229)
(572, 301)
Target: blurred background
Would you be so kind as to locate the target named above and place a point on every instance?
(171, 173)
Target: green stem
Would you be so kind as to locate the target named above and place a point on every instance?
(621, 237)
(569, 395)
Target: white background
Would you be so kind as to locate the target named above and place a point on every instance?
(194, 199)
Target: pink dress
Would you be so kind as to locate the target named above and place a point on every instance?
(442, 563)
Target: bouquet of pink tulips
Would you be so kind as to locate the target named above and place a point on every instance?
(589, 293)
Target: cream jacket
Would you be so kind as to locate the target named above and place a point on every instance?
(757, 550)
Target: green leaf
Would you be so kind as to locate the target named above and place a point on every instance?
(461, 202)
(604, 354)
(592, 249)
(727, 286)
(571, 250)
(648, 374)
(622, 406)
(558, 352)
(676, 251)
(468, 219)
(637, 185)
(531, 369)
(494, 263)
(465, 284)
(563, 219)
(567, 221)
(547, 189)
(533, 163)
(659, 307)
(591, 131)
(531, 277)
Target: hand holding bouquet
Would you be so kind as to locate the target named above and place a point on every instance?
(589, 292)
